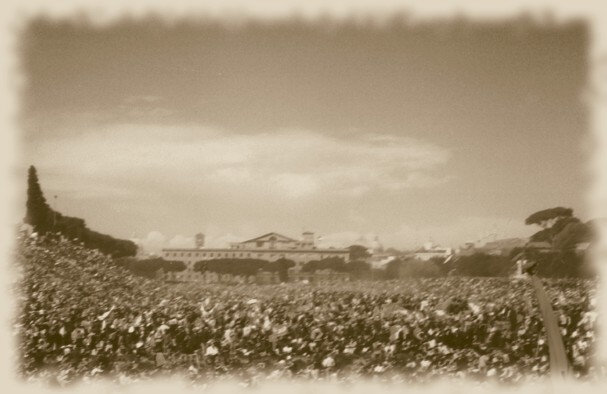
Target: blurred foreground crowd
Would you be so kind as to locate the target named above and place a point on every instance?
(80, 318)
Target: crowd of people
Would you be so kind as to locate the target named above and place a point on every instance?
(81, 317)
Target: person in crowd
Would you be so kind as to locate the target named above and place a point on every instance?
(81, 316)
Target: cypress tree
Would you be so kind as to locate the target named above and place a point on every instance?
(38, 211)
(44, 219)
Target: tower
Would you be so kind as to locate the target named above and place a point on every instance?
(199, 239)
(308, 237)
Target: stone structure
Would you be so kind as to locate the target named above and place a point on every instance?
(269, 247)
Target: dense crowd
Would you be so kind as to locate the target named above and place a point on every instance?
(81, 317)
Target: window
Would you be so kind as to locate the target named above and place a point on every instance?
(259, 244)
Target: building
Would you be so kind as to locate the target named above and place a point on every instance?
(199, 240)
(379, 260)
(371, 243)
(429, 251)
(269, 247)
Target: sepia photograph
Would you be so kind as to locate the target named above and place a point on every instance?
(339, 197)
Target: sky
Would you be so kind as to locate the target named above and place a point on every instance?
(449, 131)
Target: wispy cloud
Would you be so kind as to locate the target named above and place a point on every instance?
(143, 108)
(155, 241)
(294, 164)
(450, 234)
(456, 232)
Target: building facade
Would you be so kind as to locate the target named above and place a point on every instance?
(429, 251)
(269, 247)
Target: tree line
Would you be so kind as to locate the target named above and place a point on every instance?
(555, 246)
(245, 267)
(150, 268)
(357, 269)
(47, 221)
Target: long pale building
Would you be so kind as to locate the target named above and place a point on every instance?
(269, 247)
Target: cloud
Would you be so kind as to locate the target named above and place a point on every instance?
(179, 241)
(222, 241)
(459, 231)
(451, 234)
(346, 238)
(153, 242)
(143, 108)
(296, 185)
(292, 164)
